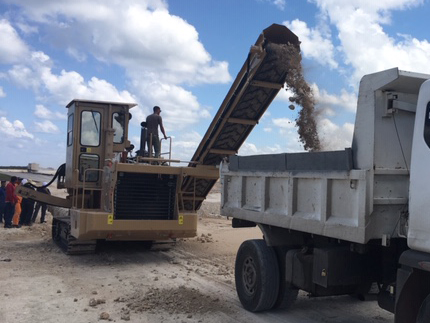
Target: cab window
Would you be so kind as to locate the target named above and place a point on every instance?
(118, 124)
(70, 130)
(88, 163)
(427, 125)
(90, 128)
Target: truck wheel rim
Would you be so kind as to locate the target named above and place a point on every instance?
(249, 276)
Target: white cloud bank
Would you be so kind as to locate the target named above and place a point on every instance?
(363, 47)
(314, 44)
(15, 129)
(159, 52)
(12, 48)
(46, 126)
(44, 113)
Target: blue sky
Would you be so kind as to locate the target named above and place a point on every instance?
(183, 56)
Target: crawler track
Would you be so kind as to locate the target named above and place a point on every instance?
(70, 245)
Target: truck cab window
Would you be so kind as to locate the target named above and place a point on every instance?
(70, 130)
(118, 124)
(427, 125)
(90, 128)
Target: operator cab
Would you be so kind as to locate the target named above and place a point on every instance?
(96, 135)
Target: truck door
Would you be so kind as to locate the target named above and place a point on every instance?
(419, 191)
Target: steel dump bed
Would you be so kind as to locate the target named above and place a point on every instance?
(318, 193)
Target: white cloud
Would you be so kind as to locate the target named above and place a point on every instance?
(163, 44)
(180, 107)
(44, 113)
(366, 47)
(279, 3)
(12, 48)
(285, 124)
(252, 149)
(14, 129)
(324, 100)
(71, 85)
(80, 56)
(335, 137)
(26, 28)
(64, 87)
(332, 136)
(288, 130)
(166, 53)
(314, 44)
(24, 76)
(184, 146)
(267, 129)
(248, 149)
(46, 126)
(2, 92)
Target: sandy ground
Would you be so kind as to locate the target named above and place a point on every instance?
(189, 281)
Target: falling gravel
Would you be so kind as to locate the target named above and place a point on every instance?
(303, 96)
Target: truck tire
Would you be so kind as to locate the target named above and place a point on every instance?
(256, 275)
(286, 297)
(287, 294)
(424, 311)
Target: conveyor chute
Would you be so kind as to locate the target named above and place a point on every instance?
(262, 76)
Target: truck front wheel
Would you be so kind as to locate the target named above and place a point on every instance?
(424, 311)
(256, 275)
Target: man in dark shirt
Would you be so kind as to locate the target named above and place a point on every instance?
(2, 199)
(42, 189)
(11, 200)
(27, 206)
(152, 122)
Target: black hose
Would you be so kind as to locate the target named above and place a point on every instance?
(61, 171)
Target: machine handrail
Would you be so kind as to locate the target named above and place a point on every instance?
(170, 148)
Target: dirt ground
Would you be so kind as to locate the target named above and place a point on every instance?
(189, 281)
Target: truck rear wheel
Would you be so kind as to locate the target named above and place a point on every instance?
(287, 294)
(424, 311)
(256, 275)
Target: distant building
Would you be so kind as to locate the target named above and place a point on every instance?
(31, 171)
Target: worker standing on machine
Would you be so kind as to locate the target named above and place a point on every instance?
(152, 122)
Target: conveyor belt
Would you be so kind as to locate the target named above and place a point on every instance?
(258, 82)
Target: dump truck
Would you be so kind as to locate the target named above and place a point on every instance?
(341, 222)
(113, 195)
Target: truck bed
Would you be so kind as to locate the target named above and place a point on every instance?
(319, 193)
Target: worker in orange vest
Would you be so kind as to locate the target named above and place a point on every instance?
(18, 209)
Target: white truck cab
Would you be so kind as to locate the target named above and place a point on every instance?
(336, 222)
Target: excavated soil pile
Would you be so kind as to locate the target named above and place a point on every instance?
(303, 96)
(180, 300)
